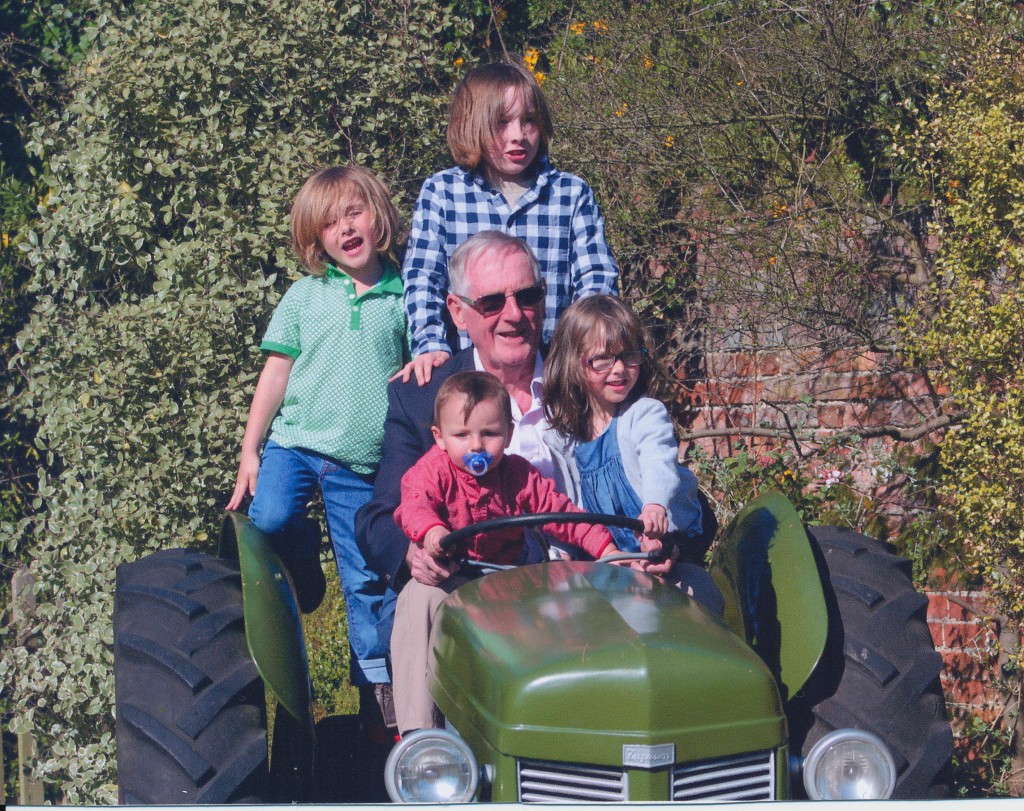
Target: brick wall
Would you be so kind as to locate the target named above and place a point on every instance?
(966, 643)
(812, 395)
(820, 394)
(842, 390)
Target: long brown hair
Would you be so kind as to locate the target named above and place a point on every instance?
(478, 105)
(566, 398)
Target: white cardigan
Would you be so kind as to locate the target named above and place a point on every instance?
(650, 460)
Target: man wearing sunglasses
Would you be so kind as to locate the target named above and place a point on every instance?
(497, 298)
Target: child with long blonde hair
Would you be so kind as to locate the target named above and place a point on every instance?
(335, 338)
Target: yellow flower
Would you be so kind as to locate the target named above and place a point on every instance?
(459, 62)
(772, 260)
(540, 77)
(622, 109)
(577, 28)
(5, 239)
(648, 63)
(530, 57)
(670, 141)
(599, 25)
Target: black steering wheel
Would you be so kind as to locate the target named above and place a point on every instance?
(451, 540)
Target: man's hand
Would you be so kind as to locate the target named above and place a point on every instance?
(648, 544)
(426, 569)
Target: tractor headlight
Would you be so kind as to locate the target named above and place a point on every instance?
(431, 766)
(849, 764)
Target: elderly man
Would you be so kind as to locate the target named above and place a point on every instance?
(497, 297)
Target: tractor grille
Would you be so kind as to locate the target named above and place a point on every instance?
(545, 782)
(742, 778)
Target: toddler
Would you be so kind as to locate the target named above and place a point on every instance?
(334, 340)
(498, 134)
(464, 479)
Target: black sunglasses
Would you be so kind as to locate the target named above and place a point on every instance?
(494, 303)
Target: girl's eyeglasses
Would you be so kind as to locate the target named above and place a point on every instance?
(605, 362)
(493, 303)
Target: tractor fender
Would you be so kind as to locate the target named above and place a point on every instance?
(766, 570)
(273, 627)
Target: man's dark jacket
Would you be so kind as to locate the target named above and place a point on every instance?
(407, 437)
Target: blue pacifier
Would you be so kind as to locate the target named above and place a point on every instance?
(477, 462)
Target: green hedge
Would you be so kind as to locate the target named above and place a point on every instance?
(161, 254)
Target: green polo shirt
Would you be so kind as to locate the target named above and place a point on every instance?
(345, 348)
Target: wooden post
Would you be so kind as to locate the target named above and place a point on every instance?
(23, 599)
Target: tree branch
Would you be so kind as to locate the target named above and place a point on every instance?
(898, 432)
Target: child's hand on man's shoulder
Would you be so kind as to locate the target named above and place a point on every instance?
(422, 366)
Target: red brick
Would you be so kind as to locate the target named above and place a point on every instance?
(938, 607)
(910, 385)
(789, 389)
(746, 365)
(937, 637)
(720, 365)
(834, 415)
(726, 393)
(964, 634)
(971, 692)
(990, 714)
(769, 364)
(871, 361)
(958, 665)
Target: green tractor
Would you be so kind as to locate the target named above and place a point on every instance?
(562, 681)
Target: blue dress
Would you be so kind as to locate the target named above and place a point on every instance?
(604, 486)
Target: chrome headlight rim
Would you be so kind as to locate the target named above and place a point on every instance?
(814, 759)
(419, 741)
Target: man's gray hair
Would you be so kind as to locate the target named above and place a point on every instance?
(493, 243)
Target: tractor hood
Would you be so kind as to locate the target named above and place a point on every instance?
(597, 656)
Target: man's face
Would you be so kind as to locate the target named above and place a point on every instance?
(507, 340)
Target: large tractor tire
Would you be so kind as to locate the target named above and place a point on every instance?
(191, 712)
(880, 670)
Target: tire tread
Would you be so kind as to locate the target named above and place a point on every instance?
(880, 671)
(191, 715)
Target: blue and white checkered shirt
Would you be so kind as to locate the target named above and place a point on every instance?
(557, 216)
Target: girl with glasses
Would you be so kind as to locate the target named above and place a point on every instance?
(596, 381)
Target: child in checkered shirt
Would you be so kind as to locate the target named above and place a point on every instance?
(498, 134)
(334, 340)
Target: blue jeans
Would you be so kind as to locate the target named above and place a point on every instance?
(287, 481)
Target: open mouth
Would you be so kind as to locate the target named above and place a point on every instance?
(352, 244)
(516, 154)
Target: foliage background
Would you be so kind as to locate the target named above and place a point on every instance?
(187, 130)
(762, 168)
